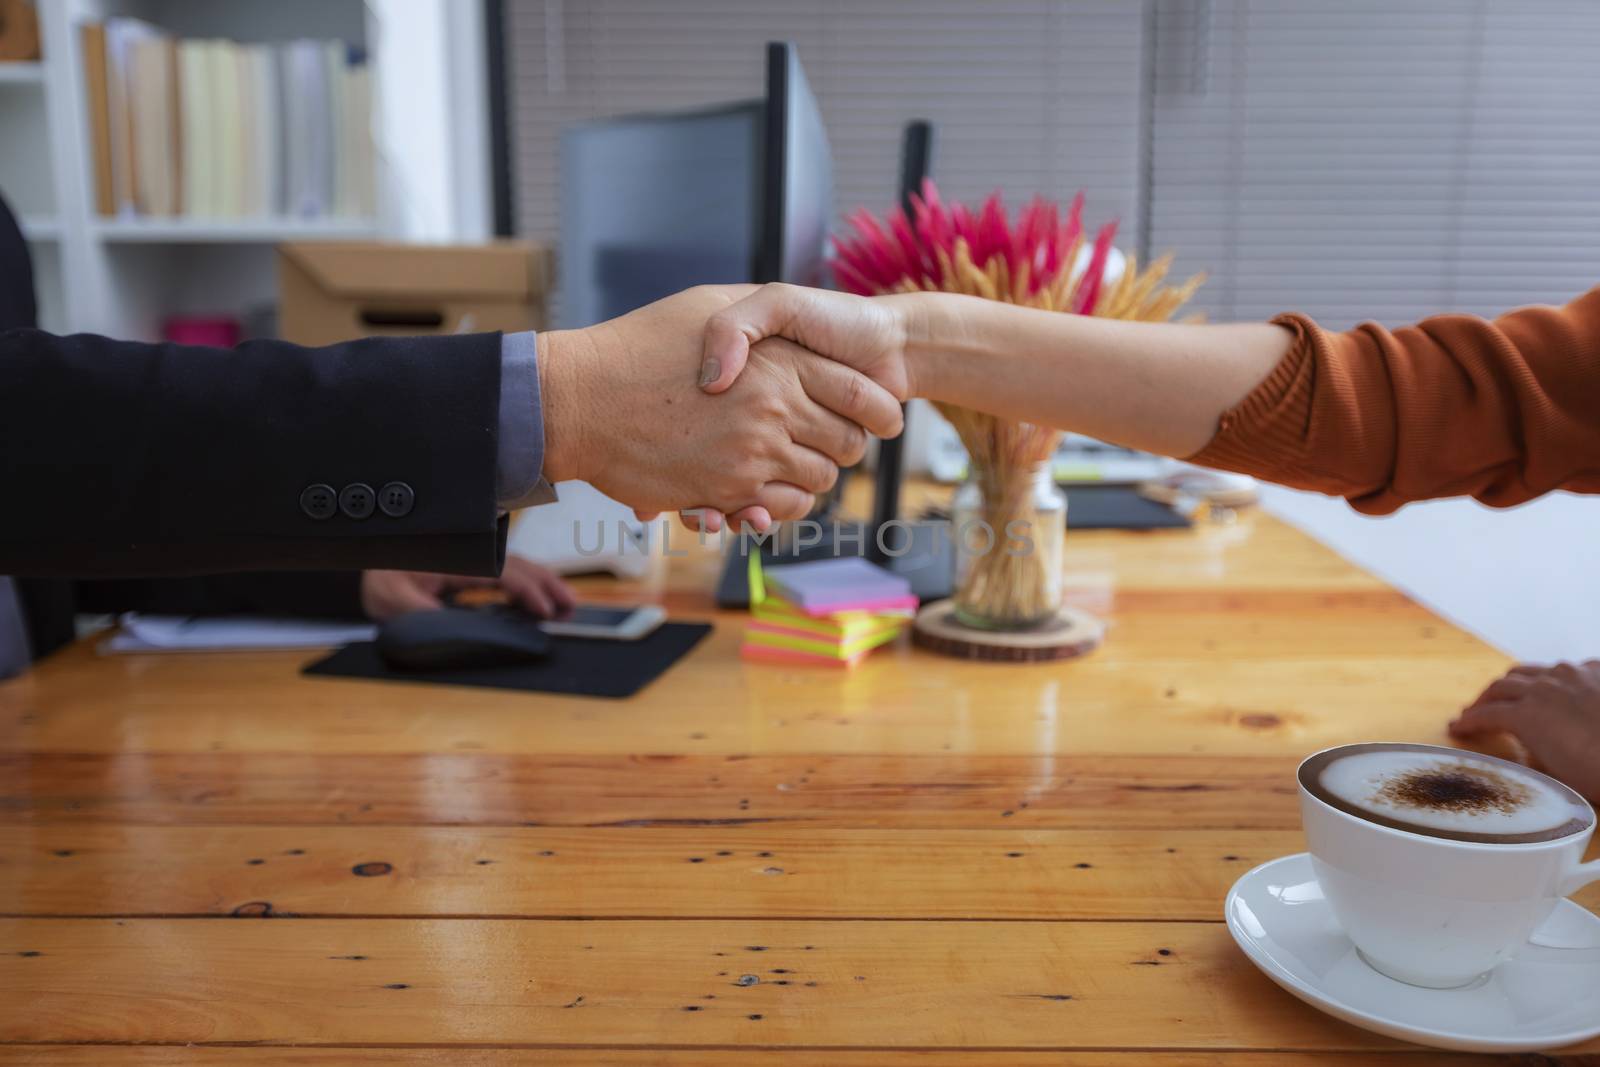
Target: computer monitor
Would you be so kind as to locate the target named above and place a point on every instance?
(653, 204)
(797, 176)
(916, 167)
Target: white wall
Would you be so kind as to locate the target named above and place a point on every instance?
(1526, 580)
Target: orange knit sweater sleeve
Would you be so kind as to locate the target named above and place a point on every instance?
(1503, 410)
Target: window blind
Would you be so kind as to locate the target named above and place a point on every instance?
(1367, 159)
(1378, 159)
(1028, 97)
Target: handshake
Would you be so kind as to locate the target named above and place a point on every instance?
(700, 400)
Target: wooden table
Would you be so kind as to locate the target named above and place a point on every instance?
(925, 862)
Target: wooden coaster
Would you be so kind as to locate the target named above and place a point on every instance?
(1071, 633)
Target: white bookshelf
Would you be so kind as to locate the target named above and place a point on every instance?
(231, 231)
(127, 274)
(124, 275)
(19, 73)
(40, 228)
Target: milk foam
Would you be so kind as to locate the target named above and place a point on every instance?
(1359, 780)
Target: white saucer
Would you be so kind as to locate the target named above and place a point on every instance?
(1278, 915)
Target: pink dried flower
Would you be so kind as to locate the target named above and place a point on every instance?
(931, 249)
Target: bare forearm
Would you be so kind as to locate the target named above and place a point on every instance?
(1159, 387)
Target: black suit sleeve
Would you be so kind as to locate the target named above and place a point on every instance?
(18, 305)
(51, 605)
(290, 594)
(125, 460)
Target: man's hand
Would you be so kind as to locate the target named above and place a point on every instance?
(385, 594)
(623, 410)
(868, 334)
(1553, 711)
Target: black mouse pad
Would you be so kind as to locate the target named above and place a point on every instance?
(577, 666)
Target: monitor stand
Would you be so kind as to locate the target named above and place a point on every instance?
(921, 552)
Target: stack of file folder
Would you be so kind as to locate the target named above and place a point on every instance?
(830, 612)
(216, 129)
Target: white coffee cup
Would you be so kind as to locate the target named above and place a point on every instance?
(1437, 912)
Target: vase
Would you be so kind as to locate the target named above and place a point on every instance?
(1009, 525)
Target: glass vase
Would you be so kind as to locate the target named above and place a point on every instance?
(1009, 527)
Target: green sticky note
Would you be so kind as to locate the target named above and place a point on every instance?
(758, 587)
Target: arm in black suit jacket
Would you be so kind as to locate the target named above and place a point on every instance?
(123, 459)
(291, 594)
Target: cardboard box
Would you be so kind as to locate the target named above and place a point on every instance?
(337, 290)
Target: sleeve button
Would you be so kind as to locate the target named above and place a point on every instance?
(318, 501)
(396, 500)
(356, 500)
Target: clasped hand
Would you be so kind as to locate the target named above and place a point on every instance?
(624, 409)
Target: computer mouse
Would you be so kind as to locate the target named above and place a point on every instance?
(461, 639)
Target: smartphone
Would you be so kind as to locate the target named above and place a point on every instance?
(628, 623)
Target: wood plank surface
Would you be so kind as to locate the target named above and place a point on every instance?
(1003, 985)
(900, 700)
(200, 1056)
(887, 790)
(1245, 639)
(921, 862)
(649, 873)
(950, 874)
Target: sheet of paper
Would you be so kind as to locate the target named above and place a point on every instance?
(220, 633)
